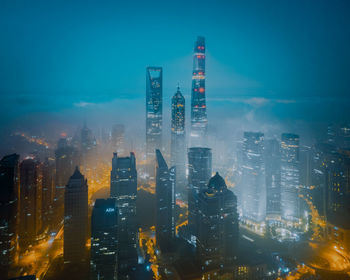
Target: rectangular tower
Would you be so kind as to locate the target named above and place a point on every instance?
(75, 219)
(124, 190)
(154, 110)
(199, 121)
(9, 202)
(104, 226)
(165, 203)
(290, 177)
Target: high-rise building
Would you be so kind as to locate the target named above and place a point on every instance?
(87, 145)
(9, 202)
(118, 140)
(199, 121)
(290, 177)
(338, 199)
(178, 146)
(30, 202)
(104, 242)
(124, 190)
(253, 190)
(154, 110)
(67, 158)
(199, 173)
(217, 224)
(48, 183)
(272, 161)
(75, 219)
(165, 203)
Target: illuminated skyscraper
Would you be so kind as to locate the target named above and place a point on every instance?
(178, 154)
(154, 110)
(199, 121)
(273, 179)
(124, 190)
(165, 203)
(253, 189)
(290, 177)
(199, 173)
(104, 230)
(217, 224)
(9, 202)
(75, 219)
(30, 202)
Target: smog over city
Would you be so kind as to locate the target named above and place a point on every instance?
(174, 140)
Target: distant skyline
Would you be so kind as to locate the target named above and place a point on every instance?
(288, 57)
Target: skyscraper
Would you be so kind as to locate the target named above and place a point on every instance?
(165, 203)
(104, 230)
(87, 145)
(75, 219)
(199, 173)
(253, 189)
(67, 158)
(199, 121)
(154, 110)
(124, 190)
(217, 224)
(30, 202)
(290, 177)
(48, 182)
(9, 202)
(178, 152)
(272, 161)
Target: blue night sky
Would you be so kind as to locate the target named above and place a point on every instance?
(286, 56)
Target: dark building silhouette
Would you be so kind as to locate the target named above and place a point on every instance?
(290, 177)
(104, 229)
(154, 110)
(199, 121)
(178, 143)
(199, 173)
(67, 158)
(75, 219)
(9, 206)
(253, 190)
(124, 190)
(165, 203)
(87, 145)
(30, 202)
(273, 179)
(48, 187)
(217, 224)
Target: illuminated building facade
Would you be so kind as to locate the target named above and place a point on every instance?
(178, 146)
(75, 219)
(124, 190)
(154, 110)
(30, 202)
(290, 177)
(273, 179)
(104, 242)
(165, 203)
(199, 168)
(199, 121)
(253, 189)
(9, 200)
(217, 224)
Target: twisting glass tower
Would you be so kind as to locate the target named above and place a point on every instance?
(178, 154)
(199, 121)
